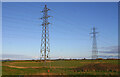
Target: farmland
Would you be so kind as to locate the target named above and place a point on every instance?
(61, 67)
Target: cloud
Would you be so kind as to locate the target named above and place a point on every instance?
(108, 56)
(109, 50)
(15, 57)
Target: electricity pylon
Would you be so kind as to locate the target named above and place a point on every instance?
(45, 45)
(94, 46)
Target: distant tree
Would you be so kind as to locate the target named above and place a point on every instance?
(99, 59)
(33, 60)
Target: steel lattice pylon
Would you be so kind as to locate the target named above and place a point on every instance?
(45, 46)
(94, 46)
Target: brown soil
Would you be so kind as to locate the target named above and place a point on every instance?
(15, 66)
(46, 74)
(43, 75)
(97, 67)
(28, 62)
(35, 67)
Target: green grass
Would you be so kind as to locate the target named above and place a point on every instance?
(67, 67)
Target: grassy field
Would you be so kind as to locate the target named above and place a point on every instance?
(61, 67)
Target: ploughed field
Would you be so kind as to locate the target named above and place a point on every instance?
(61, 67)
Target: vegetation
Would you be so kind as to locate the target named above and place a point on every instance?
(61, 67)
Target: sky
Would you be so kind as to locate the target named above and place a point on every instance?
(71, 23)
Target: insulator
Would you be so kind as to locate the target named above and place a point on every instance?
(41, 11)
(48, 16)
(48, 9)
(41, 51)
(43, 24)
(48, 23)
(48, 50)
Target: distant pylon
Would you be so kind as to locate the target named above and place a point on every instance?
(45, 45)
(94, 46)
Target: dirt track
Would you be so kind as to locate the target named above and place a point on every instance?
(35, 67)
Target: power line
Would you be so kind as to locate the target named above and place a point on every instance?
(70, 23)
